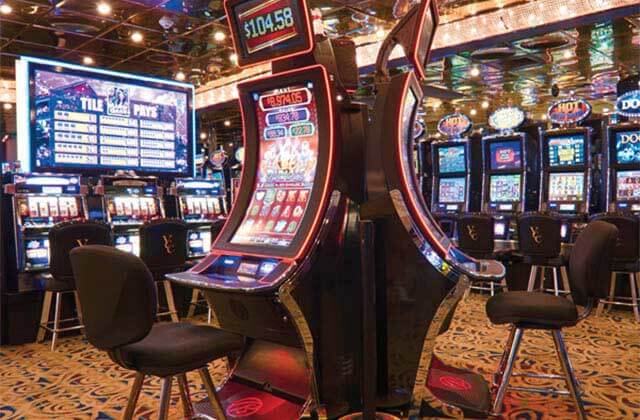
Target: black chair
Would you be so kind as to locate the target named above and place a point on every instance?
(63, 237)
(540, 244)
(118, 293)
(590, 265)
(476, 238)
(626, 260)
(163, 248)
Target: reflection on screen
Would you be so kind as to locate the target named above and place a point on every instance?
(628, 185)
(288, 150)
(566, 150)
(504, 188)
(451, 159)
(452, 190)
(505, 155)
(566, 186)
(628, 147)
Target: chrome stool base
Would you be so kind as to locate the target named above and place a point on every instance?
(54, 327)
(632, 301)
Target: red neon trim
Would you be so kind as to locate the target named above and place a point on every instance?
(307, 21)
(405, 183)
(417, 64)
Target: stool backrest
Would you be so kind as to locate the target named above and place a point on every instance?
(117, 295)
(475, 234)
(66, 236)
(163, 245)
(590, 261)
(539, 235)
(628, 246)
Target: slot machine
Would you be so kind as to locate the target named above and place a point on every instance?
(200, 203)
(565, 156)
(510, 178)
(420, 275)
(128, 202)
(34, 203)
(455, 172)
(278, 273)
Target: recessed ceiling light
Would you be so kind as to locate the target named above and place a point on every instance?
(473, 112)
(485, 104)
(203, 135)
(5, 9)
(475, 72)
(181, 76)
(567, 54)
(7, 106)
(87, 60)
(137, 36)
(233, 57)
(104, 8)
(380, 33)
(219, 36)
(227, 123)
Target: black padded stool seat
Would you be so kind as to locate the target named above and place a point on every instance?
(557, 261)
(173, 348)
(532, 310)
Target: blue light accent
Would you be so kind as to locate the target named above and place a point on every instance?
(229, 261)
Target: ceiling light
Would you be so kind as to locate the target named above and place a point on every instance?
(605, 110)
(86, 60)
(475, 72)
(137, 36)
(485, 104)
(219, 36)
(5, 9)
(473, 112)
(544, 116)
(233, 57)
(567, 54)
(104, 8)
(203, 135)
(7, 106)
(227, 123)
(180, 76)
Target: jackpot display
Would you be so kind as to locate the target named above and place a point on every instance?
(628, 147)
(566, 150)
(566, 186)
(628, 185)
(82, 119)
(505, 188)
(505, 155)
(451, 159)
(452, 190)
(288, 157)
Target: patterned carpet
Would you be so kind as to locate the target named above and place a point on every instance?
(79, 382)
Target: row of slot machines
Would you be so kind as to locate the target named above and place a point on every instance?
(509, 173)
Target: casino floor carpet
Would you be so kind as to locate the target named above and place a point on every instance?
(79, 382)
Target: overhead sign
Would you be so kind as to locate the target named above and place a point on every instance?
(454, 125)
(628, 105)
(218, 158)
(506, 118)
(569, 111)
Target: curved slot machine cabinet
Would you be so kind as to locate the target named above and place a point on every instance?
(275, 273)
(420, 275)
(128, 202)
(622, 167)
(200, 203)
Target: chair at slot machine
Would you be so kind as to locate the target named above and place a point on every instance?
(63, 237)
(590, 265)
(626, 260)
(476, 239)
(120, 298)
(540, 244)
(163, 248)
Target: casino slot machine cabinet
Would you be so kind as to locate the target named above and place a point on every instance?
(510, 179)
(420, 275)
(35, 203)
(456, 172)
(622, 167)
(565, 157)
(279, 273)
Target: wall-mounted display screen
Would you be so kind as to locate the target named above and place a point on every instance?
(452, 159)
(566, 186)
(84, 119)
(452, 190)
(505, 188)
(505, 155)
(628, 147)
(288, 157)
(566, 150)
(628, 185)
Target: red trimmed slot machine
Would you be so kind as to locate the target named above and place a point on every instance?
(279, 272)
(420, 275)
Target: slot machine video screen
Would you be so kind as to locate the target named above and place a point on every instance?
(505, 188)
(87, 120)
(628, 147)
(505, 155)
(288, 158)
(628, 185)
(452, 159)
(452, 190)
(566, 150)
(566, 186)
